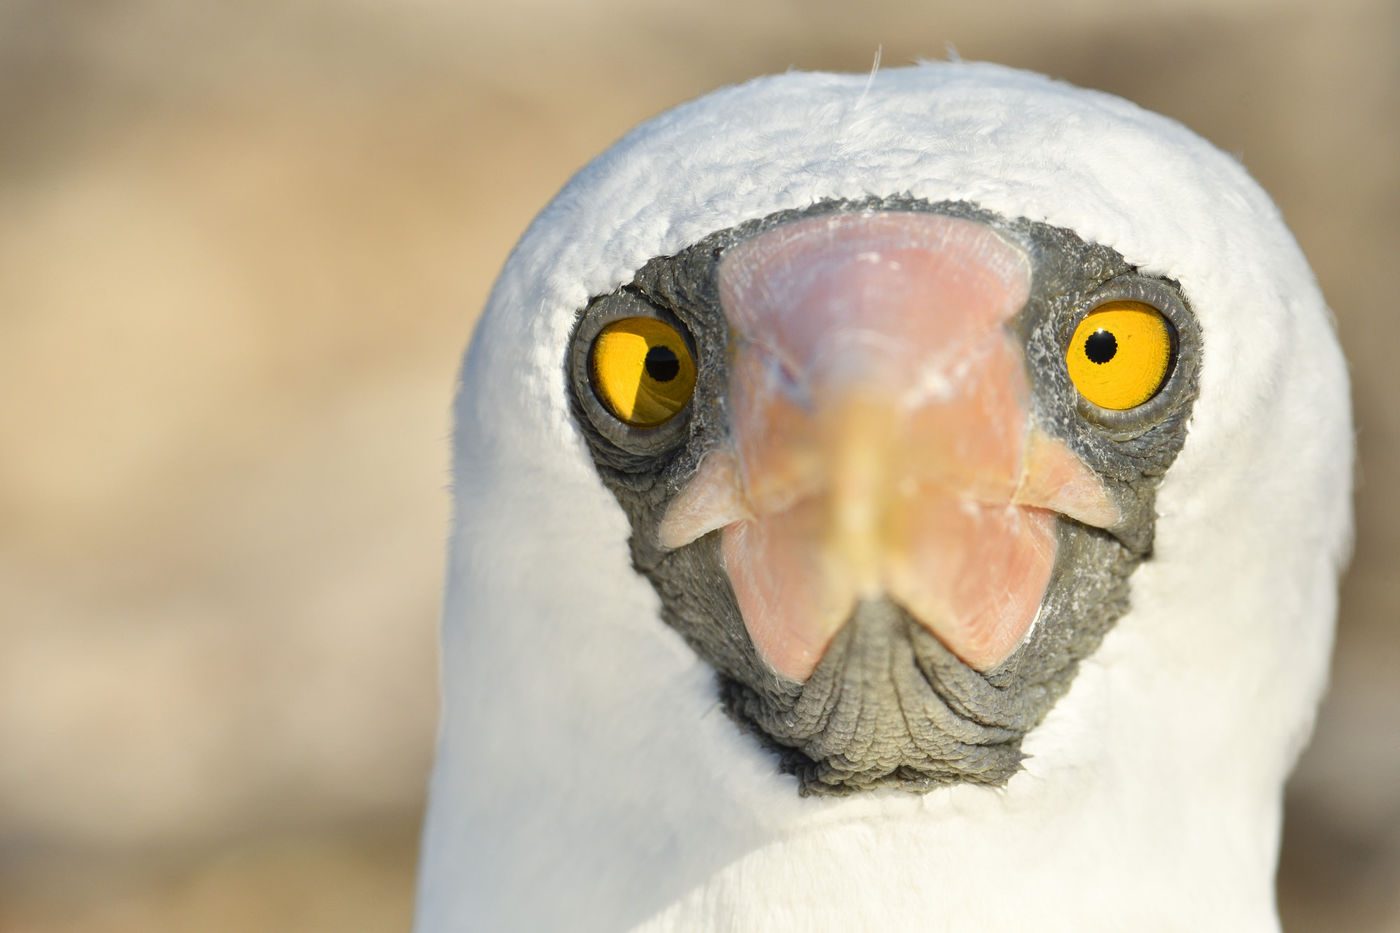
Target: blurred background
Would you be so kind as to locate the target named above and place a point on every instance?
(241, 248)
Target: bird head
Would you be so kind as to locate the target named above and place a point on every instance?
(952, 431)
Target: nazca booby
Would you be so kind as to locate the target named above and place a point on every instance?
(812, 566)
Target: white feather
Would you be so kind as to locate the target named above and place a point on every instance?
(587, 779)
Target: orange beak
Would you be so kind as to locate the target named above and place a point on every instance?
(882, 438)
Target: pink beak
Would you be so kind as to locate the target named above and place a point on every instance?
(883, 444)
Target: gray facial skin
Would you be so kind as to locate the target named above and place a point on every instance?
(889, 705)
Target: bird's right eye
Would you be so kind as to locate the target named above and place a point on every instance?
(641, 370)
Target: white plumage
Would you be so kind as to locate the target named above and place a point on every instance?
(587, 778)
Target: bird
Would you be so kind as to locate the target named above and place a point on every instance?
(911, 500)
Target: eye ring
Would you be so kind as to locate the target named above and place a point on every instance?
(1182, 359)
(603, 412)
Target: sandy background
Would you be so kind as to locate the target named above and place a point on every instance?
(241, 249)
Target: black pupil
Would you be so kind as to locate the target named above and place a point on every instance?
(662, 364)
(1100, 347)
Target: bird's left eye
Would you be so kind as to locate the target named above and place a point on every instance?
(1121, 354)
(641, 370)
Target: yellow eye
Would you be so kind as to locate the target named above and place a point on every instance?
(1120, 354)
(642, 371)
